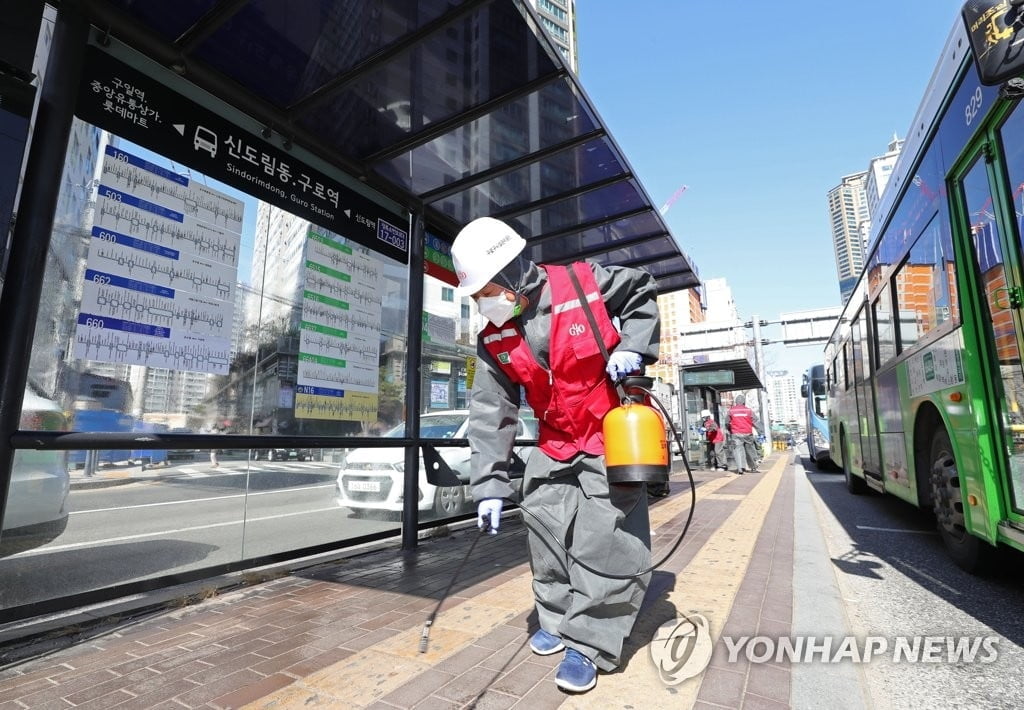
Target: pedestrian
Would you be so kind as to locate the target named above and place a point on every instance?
(741, 424)
(714, 441)
(538, 340)
(214, 429)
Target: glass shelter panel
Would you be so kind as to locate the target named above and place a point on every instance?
(451, 325)
(173, 303)
(436, 79)
(603, 240)
(308, 42)
(534, 122)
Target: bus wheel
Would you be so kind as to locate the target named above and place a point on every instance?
(969, 552)
(855, 484)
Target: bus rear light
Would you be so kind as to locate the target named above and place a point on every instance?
(972, 499)
(955, 397)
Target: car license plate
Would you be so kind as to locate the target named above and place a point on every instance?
(364, 486)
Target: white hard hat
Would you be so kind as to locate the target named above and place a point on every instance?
(705, 413)
(482, 248)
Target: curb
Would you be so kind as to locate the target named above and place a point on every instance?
(91, 482)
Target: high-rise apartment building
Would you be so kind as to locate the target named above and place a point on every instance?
(879, 171)
(783, 398)
(558, 17)
(849, 219)
(851, 207)
(677, 309)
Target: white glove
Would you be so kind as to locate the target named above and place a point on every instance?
(622, 363)
(488, 515)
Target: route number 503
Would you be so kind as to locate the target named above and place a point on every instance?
(973, 106)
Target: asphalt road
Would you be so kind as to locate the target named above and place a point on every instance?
(198, 518)
(895, 580)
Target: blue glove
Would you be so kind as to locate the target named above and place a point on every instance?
(622, 363)
(488, 515)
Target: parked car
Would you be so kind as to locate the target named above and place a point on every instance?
(37, 507)
(370, 480)
(284, 454)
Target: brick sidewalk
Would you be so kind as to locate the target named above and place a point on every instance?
(346, 633)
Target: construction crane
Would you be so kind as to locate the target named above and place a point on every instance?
(671, 201)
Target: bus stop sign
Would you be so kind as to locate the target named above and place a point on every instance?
(709, 377)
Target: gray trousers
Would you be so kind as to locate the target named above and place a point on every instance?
(745, 451)
(607, 528)
(715, 455)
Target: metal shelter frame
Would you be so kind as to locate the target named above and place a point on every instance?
(363, 107)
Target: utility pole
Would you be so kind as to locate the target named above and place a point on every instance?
(762, 400)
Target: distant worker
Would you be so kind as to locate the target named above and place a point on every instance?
(538, 340)
(741, 424)
(714, 441)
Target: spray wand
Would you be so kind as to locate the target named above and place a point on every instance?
(425, 635)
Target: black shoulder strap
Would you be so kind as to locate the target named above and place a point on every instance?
(593, 321)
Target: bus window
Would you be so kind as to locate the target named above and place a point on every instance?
(885, 344)
(922, 287)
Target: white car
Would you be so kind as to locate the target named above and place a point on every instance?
(37, 507)
(370, 480)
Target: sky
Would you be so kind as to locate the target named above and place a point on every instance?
(759, 109)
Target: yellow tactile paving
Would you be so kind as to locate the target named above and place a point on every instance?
(708, 586)
(367, 676)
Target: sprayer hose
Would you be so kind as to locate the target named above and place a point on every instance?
(679, 540)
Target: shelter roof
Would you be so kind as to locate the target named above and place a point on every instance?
(453, 108)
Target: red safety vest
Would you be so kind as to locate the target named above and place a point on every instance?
(571, 399)
(714, 432)
(741, 419)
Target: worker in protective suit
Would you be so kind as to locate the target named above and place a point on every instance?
(538, 340)
(741, 422)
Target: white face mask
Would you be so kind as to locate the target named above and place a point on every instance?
(497, 309)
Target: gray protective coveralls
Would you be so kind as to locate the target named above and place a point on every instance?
(607, 527)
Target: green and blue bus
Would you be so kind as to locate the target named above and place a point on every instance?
(812, 389)
(924, 369)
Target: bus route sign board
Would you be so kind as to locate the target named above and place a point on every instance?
(709, 377)
(135, 106)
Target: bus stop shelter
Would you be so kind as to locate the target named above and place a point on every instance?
(701, 386)
(423, 114)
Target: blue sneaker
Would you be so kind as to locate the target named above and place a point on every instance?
(544, 644)
(576, 672)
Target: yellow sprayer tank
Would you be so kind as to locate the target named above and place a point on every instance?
(636, 448)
